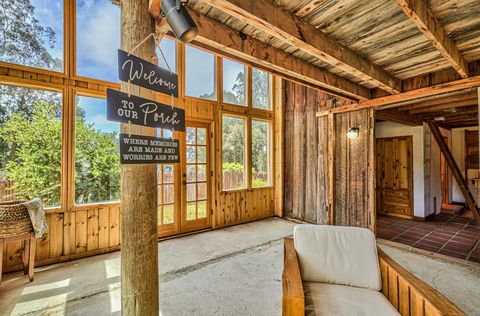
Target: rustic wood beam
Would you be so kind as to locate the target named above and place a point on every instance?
(450, 112)
(272, 20)
(309, 8)
(452, 164)
(444, 106)
(459, 97)
(227, 40)
(426, 22)
(401, 98)
(399, 117)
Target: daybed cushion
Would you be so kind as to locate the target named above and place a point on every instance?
(339, 300)
(338, 255)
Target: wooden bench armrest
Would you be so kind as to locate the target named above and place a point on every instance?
(409, 294)
(293, 298)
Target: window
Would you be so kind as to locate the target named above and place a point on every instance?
(30, 144)
(97, 156)
(168, 53)
(261, 90)
(233, 152)
(200, 74)
(234, 82)
(166, 187)
(32, 35)
(261, 149)
(98, 39)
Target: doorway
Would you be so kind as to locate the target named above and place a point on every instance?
(394, 176)
(184, 188)
(444, 178)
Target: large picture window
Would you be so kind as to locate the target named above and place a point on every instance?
(97, 157)
(98, 39)
(234, 82)
(32, 33)
(261, 149)
(199, 73)
(30, 144)
(233, 152)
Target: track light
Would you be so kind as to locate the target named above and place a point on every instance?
(179, 20)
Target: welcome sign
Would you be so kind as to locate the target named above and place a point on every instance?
(140, 111)
(145, 74)
(136, 149)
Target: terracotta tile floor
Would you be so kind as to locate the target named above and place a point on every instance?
(447, 234)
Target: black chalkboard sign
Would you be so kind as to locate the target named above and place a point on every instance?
(145, 74)
(140, 111)
(136, 149)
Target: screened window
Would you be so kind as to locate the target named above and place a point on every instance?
(98, 39)
(32, 35)
(30, 144)
(167, 54)
(97, 157)
(261, 149)
(233, 152)
(261, 90)
(234, 83)
(200, 73)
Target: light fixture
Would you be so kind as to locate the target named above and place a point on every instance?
(353, 132)
(179, 20)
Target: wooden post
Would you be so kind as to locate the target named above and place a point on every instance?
(139, 240)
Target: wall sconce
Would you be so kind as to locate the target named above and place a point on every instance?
(353, 132)
(179, 20)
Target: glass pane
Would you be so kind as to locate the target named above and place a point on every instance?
(32, 33)
(191, 154)
(167, 133)
(201, 173)
(168, 214)
(168, 194)
(159, 215)
(190, 135)
(233, 152)
(97, 159)
(200, 73)
(201, 154)
(30, 144)
(168, 176)
(98, 39)
(160, 195)
(202, 209)
(191, 173)
(201, 136)
(159, 174)
(233, 82)
(261, 150)
(202, 191)
(261, 89)
(191, 211)
(169, 50)
(191, 192)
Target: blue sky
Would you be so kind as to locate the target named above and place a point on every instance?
(96, 112)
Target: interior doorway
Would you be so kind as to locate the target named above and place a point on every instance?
(184, 188)
(444, 178)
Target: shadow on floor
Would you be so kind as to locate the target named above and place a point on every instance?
(444, 233)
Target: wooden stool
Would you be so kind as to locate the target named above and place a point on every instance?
(28, 254)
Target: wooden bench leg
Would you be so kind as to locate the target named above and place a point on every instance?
(25, 255)
(1, 259)
(31, 257)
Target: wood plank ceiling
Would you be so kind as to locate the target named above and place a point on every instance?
(371, 43)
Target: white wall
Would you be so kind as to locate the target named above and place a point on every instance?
(391, 129)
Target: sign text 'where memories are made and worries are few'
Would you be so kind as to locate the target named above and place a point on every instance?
(136, 149)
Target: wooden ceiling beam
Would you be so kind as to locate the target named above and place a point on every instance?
(398, 117)
(227, 40)
(441, 100)
(280, 24)
(449, 112)
(426, 22)
(309, 8)
(444, 106)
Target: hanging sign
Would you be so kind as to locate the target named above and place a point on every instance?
(140, 111)
(136, 149)
(145, 74)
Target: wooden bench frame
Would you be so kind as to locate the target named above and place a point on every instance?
(28, 254)
(408, 294)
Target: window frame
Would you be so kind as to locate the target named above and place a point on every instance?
(248, 83)
(182, 69)
(270, 150)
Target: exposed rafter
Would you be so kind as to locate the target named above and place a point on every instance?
(309, 8)
(272, 20)
(399, 117)
(426, 22)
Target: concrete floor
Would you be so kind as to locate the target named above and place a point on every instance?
(232, 271)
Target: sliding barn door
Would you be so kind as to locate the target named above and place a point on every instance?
(394, 176)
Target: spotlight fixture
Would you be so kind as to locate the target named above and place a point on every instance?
(353, 132)
(179, 20)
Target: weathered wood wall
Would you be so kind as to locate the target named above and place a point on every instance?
(327, 177)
